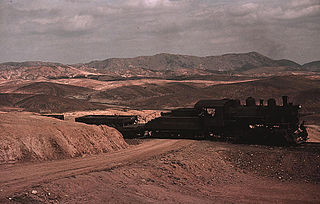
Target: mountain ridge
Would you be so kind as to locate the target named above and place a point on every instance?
(162, 65)
(167, 61)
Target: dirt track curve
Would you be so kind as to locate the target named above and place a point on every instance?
(17, 177)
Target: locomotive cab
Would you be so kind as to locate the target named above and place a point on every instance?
(216, 114)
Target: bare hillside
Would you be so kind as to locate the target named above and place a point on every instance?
(156, 94)
(28, 137)
(49, 103)
(54, 89)
(37, 70)
(176, 94)
(312, 66)
(9, 99)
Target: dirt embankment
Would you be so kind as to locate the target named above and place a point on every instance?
(314, 133)
(29, 137)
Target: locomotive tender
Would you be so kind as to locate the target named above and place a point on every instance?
(229, 120)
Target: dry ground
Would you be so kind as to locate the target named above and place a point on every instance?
(314, 133)
(171, 171)
(105, 85)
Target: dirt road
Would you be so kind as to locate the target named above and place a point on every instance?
(18, 177)
(171, 171)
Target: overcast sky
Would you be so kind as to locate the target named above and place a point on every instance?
(72, 31)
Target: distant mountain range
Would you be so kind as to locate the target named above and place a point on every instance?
(158, 66)
(227, 62)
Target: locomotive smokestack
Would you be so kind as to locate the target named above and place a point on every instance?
(250, 101)
(271, 102)
(285, 100)
(261, 102)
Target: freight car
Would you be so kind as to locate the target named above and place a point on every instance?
(226, 119)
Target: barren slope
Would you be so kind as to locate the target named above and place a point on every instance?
(9, 99)
(47, 103)
(176, 94)
(55, 89)
(37, 70)
(312, 66)
(28, 137)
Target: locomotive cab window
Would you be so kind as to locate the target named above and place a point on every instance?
(211, 111)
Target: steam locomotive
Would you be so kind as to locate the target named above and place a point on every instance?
(225, 119)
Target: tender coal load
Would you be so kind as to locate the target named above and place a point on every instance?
(109, 120)
(126, 124)
(250, 101)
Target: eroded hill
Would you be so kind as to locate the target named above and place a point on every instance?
(30, 137)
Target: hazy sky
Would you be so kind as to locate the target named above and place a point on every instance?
(71, 31)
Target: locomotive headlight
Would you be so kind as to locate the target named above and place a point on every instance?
(299, 106)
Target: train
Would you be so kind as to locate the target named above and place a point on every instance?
(224, 119)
